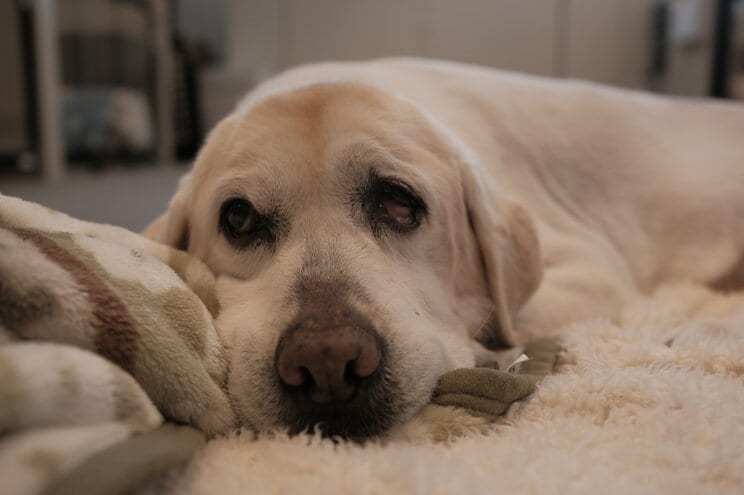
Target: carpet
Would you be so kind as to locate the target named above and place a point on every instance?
(652, 403)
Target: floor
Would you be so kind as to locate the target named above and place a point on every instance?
(130, 197)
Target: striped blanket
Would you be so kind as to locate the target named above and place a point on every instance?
(105, 335)
(102, 334)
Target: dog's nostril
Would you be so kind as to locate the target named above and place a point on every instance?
(307, 377)
(350, 375)
(366, 362)
(303, 378)
(291, 374)
(329, 364)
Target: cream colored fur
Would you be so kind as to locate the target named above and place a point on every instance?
(550, 203)
(652, 405)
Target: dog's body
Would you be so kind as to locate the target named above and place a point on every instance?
(537, 202)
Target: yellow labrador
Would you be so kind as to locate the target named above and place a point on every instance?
(378, 224)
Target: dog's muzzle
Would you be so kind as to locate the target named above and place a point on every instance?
(330, 363)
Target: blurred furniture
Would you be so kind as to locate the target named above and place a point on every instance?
(116, 60)
(92, 42)
(607, 41)
(728, 67)
(736, 79)
(15, 135)
(107, 74)
(51, 147)
(107, 123)
(189, 58)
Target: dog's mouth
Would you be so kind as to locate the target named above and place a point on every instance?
(371, 411)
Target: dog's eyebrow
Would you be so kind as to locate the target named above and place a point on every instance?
(367, 156)
(370, 156)
(372, 152)
(261, 193)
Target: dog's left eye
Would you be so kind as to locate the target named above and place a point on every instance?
(400, 213)
(397, 206)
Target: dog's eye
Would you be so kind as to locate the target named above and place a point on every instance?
(242, 225)
(399, 213)
(238, 217)
(397, 206)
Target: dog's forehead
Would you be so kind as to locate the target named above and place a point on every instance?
(310, 105)
(323, 137)
(313, 128)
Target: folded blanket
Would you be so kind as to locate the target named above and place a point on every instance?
(110, 292)
(104, 334)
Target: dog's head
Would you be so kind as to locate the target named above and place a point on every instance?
(359, 254)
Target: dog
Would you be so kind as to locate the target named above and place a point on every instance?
(377, 224)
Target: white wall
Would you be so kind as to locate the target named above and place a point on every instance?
(608, 41)
(268, 35)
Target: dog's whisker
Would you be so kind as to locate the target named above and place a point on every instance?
(483, 323)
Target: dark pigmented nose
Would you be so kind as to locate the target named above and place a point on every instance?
(330, 363)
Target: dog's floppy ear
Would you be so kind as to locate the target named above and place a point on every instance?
(172, 227)
(510, 251)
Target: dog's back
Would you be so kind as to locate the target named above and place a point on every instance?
(662, 178)
(628, 190)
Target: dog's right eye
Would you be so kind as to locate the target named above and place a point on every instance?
(238, 217)
(239, 220)
(244, 226)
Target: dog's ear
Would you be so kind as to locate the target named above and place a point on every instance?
(172, 227)
(510, 251)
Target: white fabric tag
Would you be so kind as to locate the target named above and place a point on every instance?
(514, 367)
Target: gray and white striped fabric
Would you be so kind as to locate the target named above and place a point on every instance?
(103, 334)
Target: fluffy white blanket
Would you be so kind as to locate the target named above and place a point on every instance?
(651, 404)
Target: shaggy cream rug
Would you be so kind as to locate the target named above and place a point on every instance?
(651, 404)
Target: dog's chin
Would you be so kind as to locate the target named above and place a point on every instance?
(374, 410)
(392, 396)
(351, 424)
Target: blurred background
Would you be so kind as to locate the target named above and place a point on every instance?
(103, 103)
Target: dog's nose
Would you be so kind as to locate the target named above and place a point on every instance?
(330, 363)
